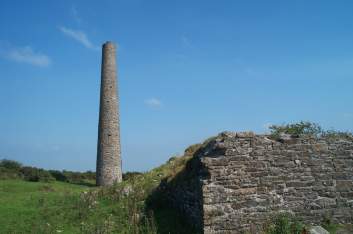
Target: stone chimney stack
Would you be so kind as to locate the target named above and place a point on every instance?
(108, 150)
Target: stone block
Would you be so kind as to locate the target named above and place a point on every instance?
(318, 230)
(344, 185)
(245, 134)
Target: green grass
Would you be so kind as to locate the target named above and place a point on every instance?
(334, 228)
(21, 202)
(59, 207)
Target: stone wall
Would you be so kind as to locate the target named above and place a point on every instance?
(245, 179)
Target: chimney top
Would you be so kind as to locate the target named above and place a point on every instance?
(109, 43)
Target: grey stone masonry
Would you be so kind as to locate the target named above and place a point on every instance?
(252, 177)
(246, 179)
(108, 149)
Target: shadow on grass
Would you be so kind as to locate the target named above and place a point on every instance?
(167, 219)
(171, 218)
(84, 183)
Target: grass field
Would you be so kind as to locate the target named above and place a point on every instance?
(60, 207)
(23, 204)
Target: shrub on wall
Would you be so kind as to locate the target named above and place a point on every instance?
(296, 129)
(305, 128)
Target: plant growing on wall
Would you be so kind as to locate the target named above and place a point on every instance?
(296, 129)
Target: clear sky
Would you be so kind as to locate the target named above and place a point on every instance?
(187, 70)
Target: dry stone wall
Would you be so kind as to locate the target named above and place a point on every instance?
(247, 178)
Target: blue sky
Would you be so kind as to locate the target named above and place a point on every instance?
(187, 70)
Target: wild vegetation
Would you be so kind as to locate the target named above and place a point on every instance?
(285, 224)
(305, 128)
(10, 169)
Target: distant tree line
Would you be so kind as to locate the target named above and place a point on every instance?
(10, 169)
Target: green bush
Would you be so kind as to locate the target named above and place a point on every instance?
(329, 225)
(10, 164)
(74, 177)
(58, 175)
(35, 174)
(10, 169)
(285, 224)
(337, 134)
(130, 175)
(89, 175)
(6, 173)
(308, 129)
(296, 129)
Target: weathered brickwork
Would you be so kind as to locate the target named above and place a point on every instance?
(246, 178)
(108, 150)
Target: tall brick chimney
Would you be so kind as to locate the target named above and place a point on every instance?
(108, 150)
